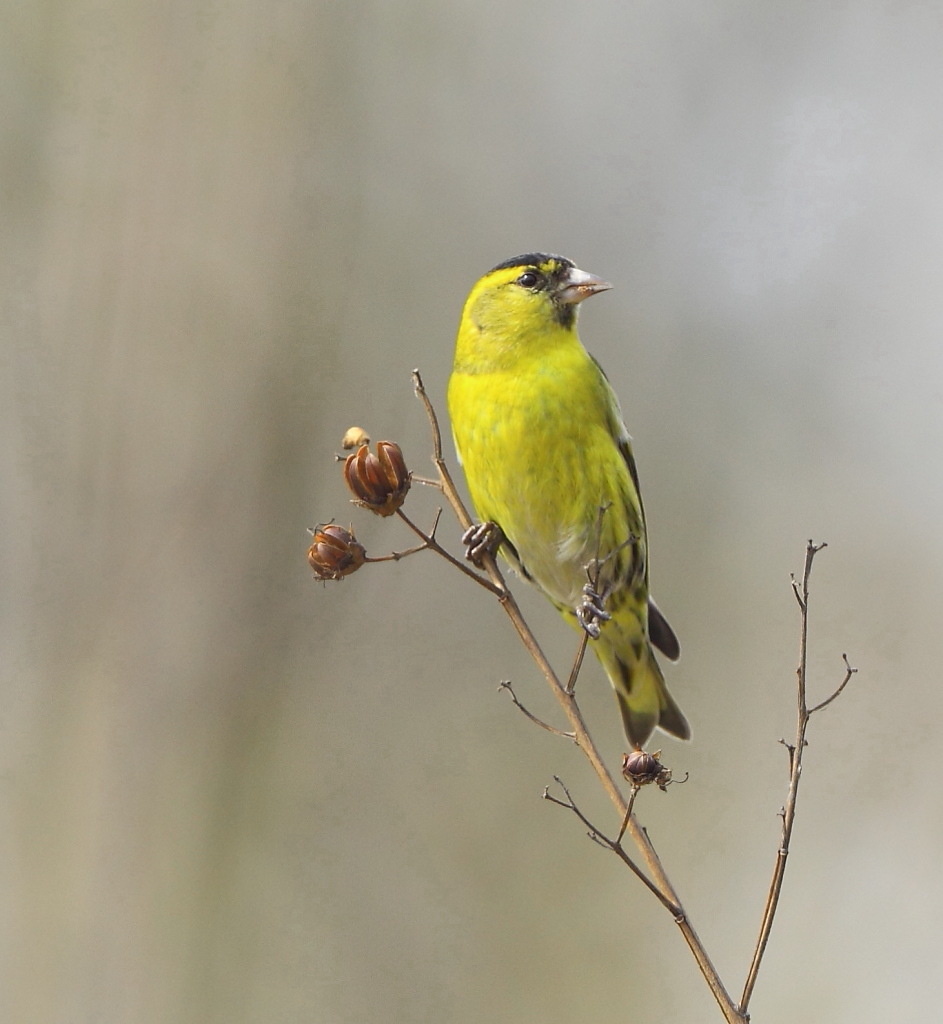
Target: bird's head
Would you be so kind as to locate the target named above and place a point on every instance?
(523, 304)
(531, 291)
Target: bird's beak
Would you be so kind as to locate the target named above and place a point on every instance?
(578, 285)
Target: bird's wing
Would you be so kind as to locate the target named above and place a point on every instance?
(621, 435)
(659, 631)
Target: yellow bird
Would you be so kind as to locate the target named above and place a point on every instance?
(549, 463)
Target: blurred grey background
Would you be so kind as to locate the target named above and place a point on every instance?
(229, 793)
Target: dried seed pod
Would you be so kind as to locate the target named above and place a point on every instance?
(335, 552)
(641, 768)
(379, 482)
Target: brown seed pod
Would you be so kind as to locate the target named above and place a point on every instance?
(641, 768)
(335, 552)
(379, 482)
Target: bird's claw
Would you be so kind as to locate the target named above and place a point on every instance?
(480, 540)
(590, 612)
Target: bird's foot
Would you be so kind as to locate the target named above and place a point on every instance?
(590, 612)
(480, 540)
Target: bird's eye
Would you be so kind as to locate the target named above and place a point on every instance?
(528, 279)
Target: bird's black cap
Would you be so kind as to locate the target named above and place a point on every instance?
(532, 259)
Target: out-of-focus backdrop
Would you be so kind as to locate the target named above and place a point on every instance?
(231, 794)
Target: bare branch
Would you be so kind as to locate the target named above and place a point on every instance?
(803, 715)
(567, 701)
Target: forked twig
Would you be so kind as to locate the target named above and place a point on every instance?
(430, 543)
(395, 556)
(336, 553)
(615, 845)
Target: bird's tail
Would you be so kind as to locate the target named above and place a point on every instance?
(641, 692)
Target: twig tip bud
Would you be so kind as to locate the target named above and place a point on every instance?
(354, 438)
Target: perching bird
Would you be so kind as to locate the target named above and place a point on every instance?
(549, 462)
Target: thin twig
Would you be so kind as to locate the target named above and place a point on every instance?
(577, 663)
(849, 672)
(581, 734)
(628, 811)
(803, 715)
(395, 556)
(506, 685)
